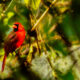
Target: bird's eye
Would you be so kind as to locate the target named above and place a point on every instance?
(16, 29)
(16, 25)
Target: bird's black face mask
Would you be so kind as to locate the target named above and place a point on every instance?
(16, 29)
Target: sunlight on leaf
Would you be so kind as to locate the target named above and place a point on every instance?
(10, 14)
(34, 4)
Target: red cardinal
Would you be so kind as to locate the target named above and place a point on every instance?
(14, 40)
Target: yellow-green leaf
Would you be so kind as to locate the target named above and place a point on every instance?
(34, 4)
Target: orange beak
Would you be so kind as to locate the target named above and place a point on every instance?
(14, 26)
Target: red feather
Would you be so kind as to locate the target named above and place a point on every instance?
(14, 40)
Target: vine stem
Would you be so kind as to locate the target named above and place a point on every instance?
(43, 15)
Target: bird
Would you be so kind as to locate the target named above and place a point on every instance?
(13, 41)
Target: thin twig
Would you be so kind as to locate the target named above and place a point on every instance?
(49, 61)
(52, 28)
(43, 15)
(8, 6)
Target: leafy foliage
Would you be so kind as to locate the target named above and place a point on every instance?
(51, 50)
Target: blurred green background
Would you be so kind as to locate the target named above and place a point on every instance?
(58, 37)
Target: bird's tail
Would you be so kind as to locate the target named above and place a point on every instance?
(3, 63)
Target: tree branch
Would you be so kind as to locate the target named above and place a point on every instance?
(43, 15)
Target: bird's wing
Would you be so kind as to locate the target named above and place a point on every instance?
(11, 38)
(10, 42)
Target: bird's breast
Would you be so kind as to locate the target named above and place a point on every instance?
(21, 38)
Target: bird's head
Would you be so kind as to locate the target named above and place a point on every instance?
(18, 26)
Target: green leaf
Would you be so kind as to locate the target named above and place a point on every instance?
(34, 4)
(10, 14)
